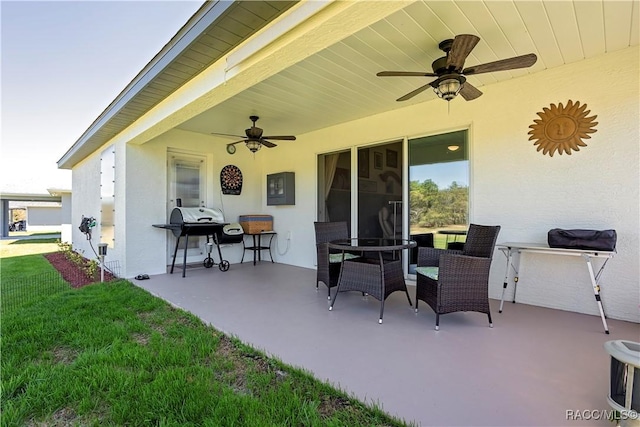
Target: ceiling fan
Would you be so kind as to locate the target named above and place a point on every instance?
(450, 74)
(254, 139)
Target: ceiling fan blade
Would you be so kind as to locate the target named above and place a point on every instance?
(522, 61)
(281, 137)
(227, 134)
(469, 92)
(406, 74)
(267, 144)
(415, 92)
(461, 47)
(237, 142)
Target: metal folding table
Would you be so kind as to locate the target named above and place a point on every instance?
(512, 251)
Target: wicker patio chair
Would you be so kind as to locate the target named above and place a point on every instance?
(329, 261)
(457, 280)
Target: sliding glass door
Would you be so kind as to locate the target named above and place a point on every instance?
(438, 190)
(437, 198)
(380, 190)
(377, 174)
(334, 187)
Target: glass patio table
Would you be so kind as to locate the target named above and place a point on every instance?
(375, 276)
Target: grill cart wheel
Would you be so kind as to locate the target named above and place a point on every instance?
(201, 221)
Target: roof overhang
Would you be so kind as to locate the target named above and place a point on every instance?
(29, 197)
(222, 25)
(315, 66)
(58, 192)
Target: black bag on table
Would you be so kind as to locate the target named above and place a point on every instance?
(601, 240)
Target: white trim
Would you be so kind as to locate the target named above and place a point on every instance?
(298, 15)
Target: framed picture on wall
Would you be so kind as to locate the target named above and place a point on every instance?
(392, 159)
(377, 159)
(363, 163)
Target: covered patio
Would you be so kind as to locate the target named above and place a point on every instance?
(536, 366)
(311, 70)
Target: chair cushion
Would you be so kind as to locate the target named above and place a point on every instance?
(430, 272)
(334, 258)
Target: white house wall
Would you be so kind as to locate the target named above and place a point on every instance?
(512, 184)
(85, 181)
(147, 201)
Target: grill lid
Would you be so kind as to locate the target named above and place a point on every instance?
(182, 215)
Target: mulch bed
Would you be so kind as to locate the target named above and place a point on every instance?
(72, 273)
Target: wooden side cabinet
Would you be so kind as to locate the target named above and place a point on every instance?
(281, 189)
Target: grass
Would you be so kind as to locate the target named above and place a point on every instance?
(34, 233)
(25, 275)
(441, 240)
(15, 248)
(112, 354)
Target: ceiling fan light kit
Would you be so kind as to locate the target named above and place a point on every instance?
(449, 72)
(253, 145)
(253, 139)
(449, 87)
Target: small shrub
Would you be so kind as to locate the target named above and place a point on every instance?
(89, 267)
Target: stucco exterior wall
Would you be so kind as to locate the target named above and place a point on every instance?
(147, 201)
(512, 184)
(86, 184)
(85, 181)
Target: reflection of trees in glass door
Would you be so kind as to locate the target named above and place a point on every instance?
(439, 187)
(334, 187)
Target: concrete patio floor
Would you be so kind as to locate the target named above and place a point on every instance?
(530, 369)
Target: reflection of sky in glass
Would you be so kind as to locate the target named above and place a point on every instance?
(442, 174)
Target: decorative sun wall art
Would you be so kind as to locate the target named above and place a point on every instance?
(562, 129)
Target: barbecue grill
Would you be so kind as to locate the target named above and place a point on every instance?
(201, 222)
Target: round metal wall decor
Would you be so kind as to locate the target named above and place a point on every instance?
(231, 180)
(562, 129)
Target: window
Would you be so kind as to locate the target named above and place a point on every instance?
(439, 187)
(107, 196)
(186, 186)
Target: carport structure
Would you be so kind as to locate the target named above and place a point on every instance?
(55, 195)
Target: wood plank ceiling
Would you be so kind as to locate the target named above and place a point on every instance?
(339, 84)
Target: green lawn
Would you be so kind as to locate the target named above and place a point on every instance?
(441, 240)
(112, 354)
(16, 247)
